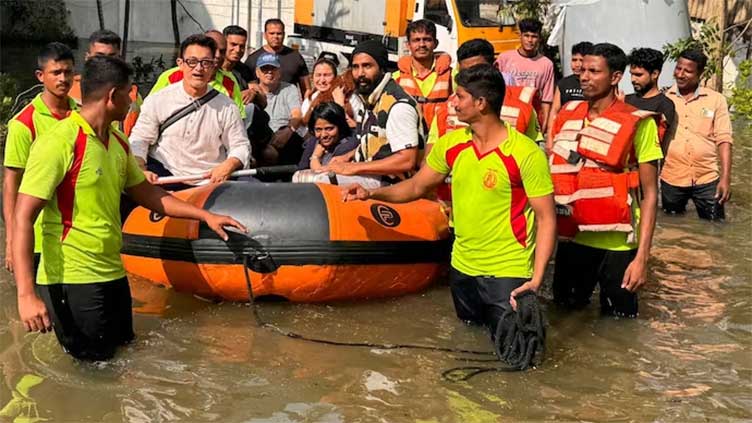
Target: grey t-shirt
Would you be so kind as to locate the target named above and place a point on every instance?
(280, 104)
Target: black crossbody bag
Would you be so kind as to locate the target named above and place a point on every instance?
(185, 111)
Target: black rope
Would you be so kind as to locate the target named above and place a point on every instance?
(518, 339)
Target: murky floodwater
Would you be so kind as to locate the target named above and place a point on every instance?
(687, 358)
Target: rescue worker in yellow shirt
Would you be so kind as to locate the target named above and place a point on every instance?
(427, 77)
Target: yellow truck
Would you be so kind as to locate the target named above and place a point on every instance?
(336, 26)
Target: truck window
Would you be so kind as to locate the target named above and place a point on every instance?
(436, 12)
(477, 13)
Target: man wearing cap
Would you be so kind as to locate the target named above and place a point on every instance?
(285, 118)
(389, 127)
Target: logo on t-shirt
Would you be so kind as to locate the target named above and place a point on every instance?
(490, 179)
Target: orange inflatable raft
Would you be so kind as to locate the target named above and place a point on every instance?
(320, 248)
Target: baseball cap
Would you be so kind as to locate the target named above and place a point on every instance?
(268, 59)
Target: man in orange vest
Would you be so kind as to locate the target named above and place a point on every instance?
(104, 42)
(517, 109)
(427, 77)
(604, 151)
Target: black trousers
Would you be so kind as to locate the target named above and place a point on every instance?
(674, 200)
(90, 320)
(481, 299)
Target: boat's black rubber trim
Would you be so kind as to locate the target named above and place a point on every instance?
(216, 251)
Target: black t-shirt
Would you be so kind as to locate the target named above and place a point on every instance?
(243, 74)
(569, 89)
(659, 103)
(292, 65)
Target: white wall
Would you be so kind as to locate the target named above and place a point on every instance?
(151, 19)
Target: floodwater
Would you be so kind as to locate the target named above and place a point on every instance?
(688, 357)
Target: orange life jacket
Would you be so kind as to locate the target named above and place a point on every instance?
(518, 106)
(435, 104)
(592, 189)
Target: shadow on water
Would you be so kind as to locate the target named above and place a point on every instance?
(688, 357)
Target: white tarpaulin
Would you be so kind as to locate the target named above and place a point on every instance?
(627, 23)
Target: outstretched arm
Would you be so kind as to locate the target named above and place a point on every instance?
(408, 190)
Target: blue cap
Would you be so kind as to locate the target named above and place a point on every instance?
(267, 59)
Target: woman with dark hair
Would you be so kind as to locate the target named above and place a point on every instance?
(331, 136)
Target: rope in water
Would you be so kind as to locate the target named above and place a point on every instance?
(512, 328)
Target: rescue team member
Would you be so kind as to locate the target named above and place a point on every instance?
(104, 42)
(236, 38)
(389, 130)
(568, 88)
(645, 65)
(221, 80)
(517, 109)
(55, 72)
(703, 137)
(427, 77)
(76, 172)
(529, 68)
(504, 218)
(597, 187)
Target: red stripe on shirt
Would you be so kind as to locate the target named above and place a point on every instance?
(26, 117)
(452, 153)
(66, 191)
(519, 199)
(123, 144)
(228, 84)
(175, 76)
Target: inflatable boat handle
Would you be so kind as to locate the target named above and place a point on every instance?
(268, 170)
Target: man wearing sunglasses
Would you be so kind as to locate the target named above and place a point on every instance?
(210, 140)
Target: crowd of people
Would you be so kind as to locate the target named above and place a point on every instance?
(518, 160)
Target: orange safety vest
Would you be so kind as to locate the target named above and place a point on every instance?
(130, 119)
(592, 189)
(518, 106)
(435, 104)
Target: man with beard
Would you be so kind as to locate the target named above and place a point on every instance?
(55, 72)
(211, 140)
(703, 138)
(604, 168)
(236, 38)
(645, 66)
(505, 224)
(427, 76)
(389, 128)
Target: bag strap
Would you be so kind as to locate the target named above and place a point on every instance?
(186, 110)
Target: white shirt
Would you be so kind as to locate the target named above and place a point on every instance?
(196, 143)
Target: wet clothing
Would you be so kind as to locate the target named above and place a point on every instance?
(703, 124)
(674, 200)
(223, 81)
(23, 129)
(579, 268)
(569, 89)
(493, 221)
(81, 177)
(292, 65)
(481, 300)
(90, 320)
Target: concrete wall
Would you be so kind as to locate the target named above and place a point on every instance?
(151, 19)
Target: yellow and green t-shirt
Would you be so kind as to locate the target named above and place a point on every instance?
(224, 82)
(81, 178)
(494, 223)
(647, 149)
(31, 122)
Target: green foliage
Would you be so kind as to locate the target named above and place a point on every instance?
(741, 94)
(708, 40)
(35, 20)
(535, 9)
(8, 91)
(147, 71)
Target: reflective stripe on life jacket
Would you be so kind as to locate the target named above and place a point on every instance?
(518, 106)
(435, 104)
(592, 190)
